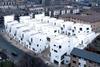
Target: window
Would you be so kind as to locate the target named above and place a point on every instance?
(56, 62)
(81, 42)
(31, 40)
(74, 56)
(80, 29)
(68, 34)
(15, 34)
(37, 45)
(62, 32)
(33, 49)
(64, 26)
(60, 47)
(40, 39)
(87, 28)
(48, 39)
(62, 62)
(54, 45)
(29, 43)
(61, 28)
(74, 34)
(84, 65)
(21, 38)
(62, 57)
(72, 30)
(78, 63)
(74, 61)
(48, 21)
(10, 30)
(74, 27)
(55, 31)
(90, 61)
(55, 51)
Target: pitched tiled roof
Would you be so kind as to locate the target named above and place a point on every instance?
(87, 16)
(86, 55)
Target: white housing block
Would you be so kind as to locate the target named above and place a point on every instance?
(8, 26)
(51, 30)
(39, 17)
(59, 47)
(8, 18)
(25, 37)
(24, 18)
(38, 42)
(82, 28)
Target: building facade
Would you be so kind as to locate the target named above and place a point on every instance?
(83, 58)
(90, 17)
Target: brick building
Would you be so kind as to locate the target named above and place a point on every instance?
(86, 17)
(83, 58)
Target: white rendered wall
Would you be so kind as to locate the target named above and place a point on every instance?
(39, 42)
(8, 18)
(59, 44)
(24, 18)
(8, 25)
(27, 36)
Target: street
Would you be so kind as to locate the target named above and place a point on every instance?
(16, 52)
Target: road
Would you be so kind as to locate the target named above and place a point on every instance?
(10, 49)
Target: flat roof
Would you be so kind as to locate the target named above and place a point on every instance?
(86, 55)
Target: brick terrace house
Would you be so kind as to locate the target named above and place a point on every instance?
(83, 58)
(86, 17)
